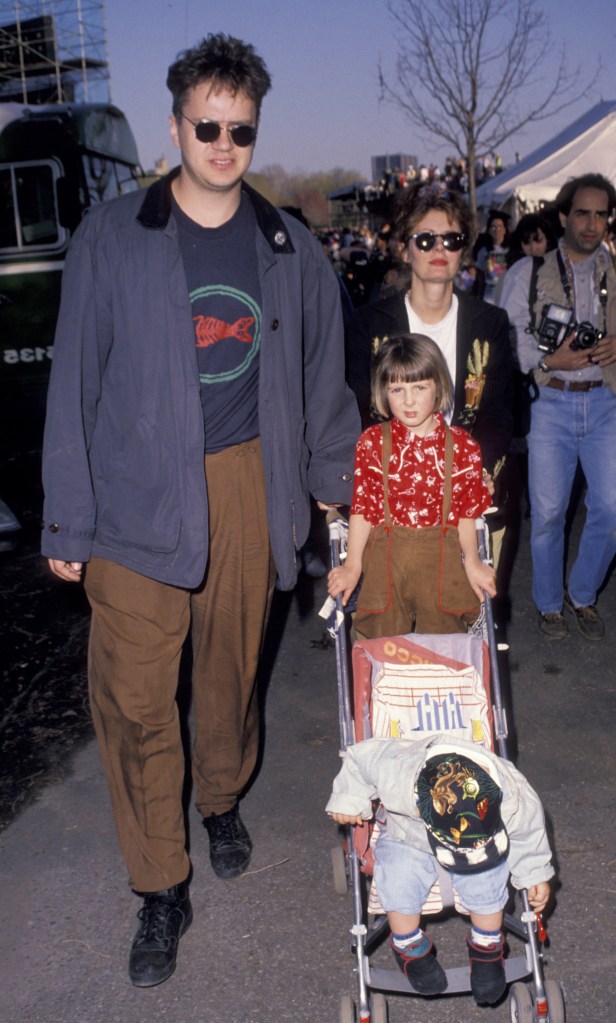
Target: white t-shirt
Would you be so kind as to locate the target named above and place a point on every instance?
(442, 333)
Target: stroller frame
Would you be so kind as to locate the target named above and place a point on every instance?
(547, 1003)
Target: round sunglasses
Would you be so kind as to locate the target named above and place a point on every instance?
(208, 131)
(453, 241)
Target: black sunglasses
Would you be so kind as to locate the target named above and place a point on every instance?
(208, 131)
(453, 241)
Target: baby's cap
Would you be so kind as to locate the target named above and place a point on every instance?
(459, 803)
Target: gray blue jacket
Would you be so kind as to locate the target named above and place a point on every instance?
(388, 769)
(123, 467)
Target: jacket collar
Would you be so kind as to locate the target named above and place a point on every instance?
(155, 212)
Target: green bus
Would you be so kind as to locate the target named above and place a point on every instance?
(55, 161)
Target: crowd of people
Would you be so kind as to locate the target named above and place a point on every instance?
(503, 268)
(212, 377)
(453, 175)
(363, 258)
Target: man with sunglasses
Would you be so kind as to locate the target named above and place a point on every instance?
(197, 399)
(433, 230)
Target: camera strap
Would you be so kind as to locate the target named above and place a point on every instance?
(532, 293)
(566, 283)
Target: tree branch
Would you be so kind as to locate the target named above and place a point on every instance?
(473, 72)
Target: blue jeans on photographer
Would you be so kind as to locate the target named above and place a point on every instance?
(567, 426)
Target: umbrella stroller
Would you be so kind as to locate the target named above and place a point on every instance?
(406, 687)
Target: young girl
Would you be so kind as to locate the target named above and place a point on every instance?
(395, 530)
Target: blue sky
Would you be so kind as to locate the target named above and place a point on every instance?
(323, 110)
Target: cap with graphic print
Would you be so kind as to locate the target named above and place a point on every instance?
(459, 804)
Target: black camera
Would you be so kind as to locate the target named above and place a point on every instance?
(557, 323)
(586, 336)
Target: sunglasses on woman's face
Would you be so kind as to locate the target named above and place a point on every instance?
(208, 131)
(425, 241)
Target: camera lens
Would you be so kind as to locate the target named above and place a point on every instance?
(586, 336)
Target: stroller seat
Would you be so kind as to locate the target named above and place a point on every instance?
(407, 687)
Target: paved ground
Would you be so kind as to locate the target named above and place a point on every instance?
(273, 945)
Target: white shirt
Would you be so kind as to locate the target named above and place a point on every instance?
(442, 333)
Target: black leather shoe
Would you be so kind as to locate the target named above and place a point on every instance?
(487, 972)
(165, 916)
(230, 844)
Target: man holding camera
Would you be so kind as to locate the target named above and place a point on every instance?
(563, 309)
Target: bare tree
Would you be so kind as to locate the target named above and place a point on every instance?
(474, 72)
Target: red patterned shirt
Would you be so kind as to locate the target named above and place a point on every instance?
(416, 470)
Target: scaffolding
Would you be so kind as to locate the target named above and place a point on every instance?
(53, 51)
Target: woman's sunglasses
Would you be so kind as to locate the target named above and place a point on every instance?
(453, 241)
(208, 131)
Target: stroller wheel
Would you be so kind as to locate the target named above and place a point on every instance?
(556, 1001)
(521, 1004)
(341, 881)
(378, 1009)
(347, 1010)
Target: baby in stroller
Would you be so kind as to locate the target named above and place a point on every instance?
(446, 801)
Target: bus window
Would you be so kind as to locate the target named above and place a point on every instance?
(8, 230)
(28, 210)
(37, 206)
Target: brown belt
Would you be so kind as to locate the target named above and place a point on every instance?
(574, 385)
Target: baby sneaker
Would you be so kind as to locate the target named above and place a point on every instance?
(487, 971)
(422, 970)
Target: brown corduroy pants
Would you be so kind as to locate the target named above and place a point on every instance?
(138, 631)
(400, 589)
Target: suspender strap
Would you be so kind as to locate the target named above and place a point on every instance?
(448, 476)
(386, 428)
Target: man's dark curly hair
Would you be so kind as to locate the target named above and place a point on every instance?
(564, 199)
(226, 62)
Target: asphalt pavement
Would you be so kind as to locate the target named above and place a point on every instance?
(273, 945)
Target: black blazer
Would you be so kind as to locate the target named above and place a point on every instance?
(491, 420)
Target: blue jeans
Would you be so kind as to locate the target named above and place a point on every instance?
(404, 876)
(566, 427)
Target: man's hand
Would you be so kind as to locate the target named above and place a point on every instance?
(604, 352)
(489, 482)
(567, 358)
(70, 571)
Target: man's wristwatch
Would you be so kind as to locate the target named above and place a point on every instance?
(543, 366)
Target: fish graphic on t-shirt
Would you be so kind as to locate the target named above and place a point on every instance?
(210, 330)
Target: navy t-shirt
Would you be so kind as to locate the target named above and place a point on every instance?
(223, 283)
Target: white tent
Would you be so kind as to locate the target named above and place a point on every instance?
(586, 145)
